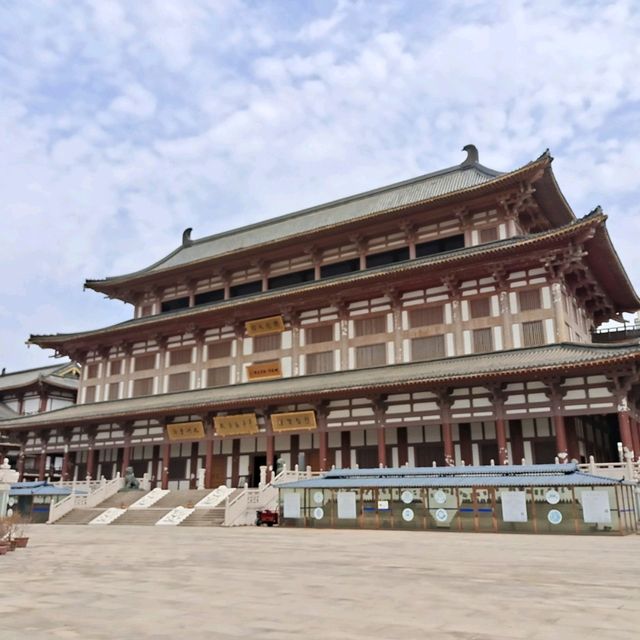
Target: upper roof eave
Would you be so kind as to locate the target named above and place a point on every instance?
(496, 180)
(495, 250)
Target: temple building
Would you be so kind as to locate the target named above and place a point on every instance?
(448, 319)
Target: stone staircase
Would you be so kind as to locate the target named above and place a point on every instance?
(80, 516)
(141, 517)
(123, 499)
(204, 518)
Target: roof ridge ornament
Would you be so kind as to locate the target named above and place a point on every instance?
(186, 237)
(472, 155)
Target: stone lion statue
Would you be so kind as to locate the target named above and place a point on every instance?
(130, 481)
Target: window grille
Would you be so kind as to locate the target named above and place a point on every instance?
(489, 234)
(220, 349)
(373, 355)
(115, 367)
(529, 300)
(370, 326)
(142, 363)
(532, 333)
(320, 362)
(480, 307)
(218, 376)
(179, 356)
(90, 394)
(267, 343)
(427, 348)
(179, 381)
(142, 387)
(482, 340)
(322, 333)
(426, 316)
(92, 371)
(114, 389)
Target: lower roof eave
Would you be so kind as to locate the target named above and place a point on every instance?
(428, 375)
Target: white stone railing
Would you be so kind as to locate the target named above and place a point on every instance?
(291, 475)
(627, 470)
(175, 516)
(102, 490)
(235, 511)
(215, 498)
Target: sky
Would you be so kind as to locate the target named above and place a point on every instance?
(122, 123)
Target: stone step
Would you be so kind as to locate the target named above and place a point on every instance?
(79, 516)
(142, 517)
(204, 518)
(123, 499)
(182, 498)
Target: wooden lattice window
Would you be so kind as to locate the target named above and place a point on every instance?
(179, 381)
(270, 342)
(529, 300)
(220, 349)
(114, 390)
(142, 363)
(92, 371)
(146, 310)
(179, 356)
(480, 307)
(115, 367)
(218, 376)
(427, 348)
(490, 234)
(142, 387)
(320, 362)
(321, 333)
(373, 355)
(370, 326)
(482, 340)
(532, 333)
(90, 394)
(426, 316)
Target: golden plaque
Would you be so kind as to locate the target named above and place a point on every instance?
(293, 421)
(264, 370)
(185, 430)
(242, 424)
(264, 326)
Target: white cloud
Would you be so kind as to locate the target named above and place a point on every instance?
(123, 123)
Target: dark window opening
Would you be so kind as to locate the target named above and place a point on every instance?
(209, 296)
(387, 257)
(340, 268)
(289, 279)
(175, 304)
(245, 289)
(440, 245)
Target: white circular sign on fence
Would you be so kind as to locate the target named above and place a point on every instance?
(552, 496)
(406, 497)
(407, 515)
(318, 513)
(440, 496)
(441, 515)
(318, 497)
(554, 516)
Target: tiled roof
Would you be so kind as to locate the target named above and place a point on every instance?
(476, 369)
(547, 475)
(492, 250)
(18, 379)
(457, 179)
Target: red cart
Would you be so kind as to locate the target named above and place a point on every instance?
(266, 517)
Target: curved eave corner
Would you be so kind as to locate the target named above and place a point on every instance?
(550, 197)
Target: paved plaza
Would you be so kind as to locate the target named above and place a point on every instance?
(172, 582)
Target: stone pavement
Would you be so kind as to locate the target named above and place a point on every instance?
(169, 582)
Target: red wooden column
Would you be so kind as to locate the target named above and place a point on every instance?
(42, 462)
(323, 437)
(555, 393)
(166, 455)
(64, 472)
(624, 422)
(126, 450)
(91, 462)
(498, 398)
(379, 410)
(635, 437)
(20, 466)
(208, 464)
(444, 402)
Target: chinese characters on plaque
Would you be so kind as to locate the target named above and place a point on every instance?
(185, 431)
(293, 421)
(242, 424)
(264, 326)
(264, 370)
